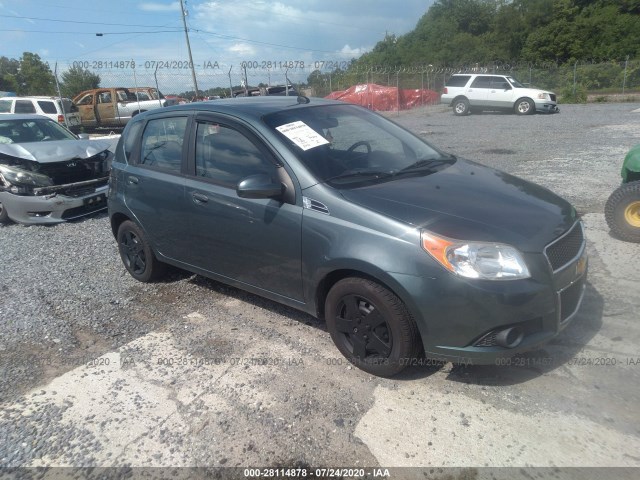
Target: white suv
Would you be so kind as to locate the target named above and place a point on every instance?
(48, 106)
(467, 92)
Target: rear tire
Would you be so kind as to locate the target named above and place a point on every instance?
(461, 107)
(622, 212)
(136, 253)
(371, 326)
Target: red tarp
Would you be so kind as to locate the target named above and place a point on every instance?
(379, 97)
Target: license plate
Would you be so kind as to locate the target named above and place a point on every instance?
(95, 200)
(74, 121)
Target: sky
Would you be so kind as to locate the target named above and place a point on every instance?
(223, 33)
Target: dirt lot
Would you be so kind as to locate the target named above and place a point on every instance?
(99, 370)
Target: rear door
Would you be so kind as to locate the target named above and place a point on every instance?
(154, 184)
(479, 90)
(253, 241)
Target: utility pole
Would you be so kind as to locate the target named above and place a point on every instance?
(186, 34)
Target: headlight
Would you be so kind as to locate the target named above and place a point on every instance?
(485, 261)
(18, 176)
(544, 96)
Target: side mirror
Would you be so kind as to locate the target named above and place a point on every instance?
(83, 136)
(259, 186)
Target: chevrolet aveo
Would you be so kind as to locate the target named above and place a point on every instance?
(406, 252)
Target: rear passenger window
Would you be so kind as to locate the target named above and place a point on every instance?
(162, 142)
(24, 106)
(226, 156)
(481, 82)
(47, 107)
(458, 81)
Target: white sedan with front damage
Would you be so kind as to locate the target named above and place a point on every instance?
(48, 174)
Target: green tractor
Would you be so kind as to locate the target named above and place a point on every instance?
(622, 210)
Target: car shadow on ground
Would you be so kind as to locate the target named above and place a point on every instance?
(518, 369)
(522, 368)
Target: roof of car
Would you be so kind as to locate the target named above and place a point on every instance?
(23, 116)
(255, 107)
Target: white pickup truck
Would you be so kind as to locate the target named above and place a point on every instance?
(115, 106)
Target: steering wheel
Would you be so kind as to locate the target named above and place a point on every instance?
(359, 144)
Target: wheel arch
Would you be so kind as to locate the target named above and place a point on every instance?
(116, 220)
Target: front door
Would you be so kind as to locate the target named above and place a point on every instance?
(253, 241)
(500, 94)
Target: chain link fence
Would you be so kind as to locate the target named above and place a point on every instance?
(572, 82)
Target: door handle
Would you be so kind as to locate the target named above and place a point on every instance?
(132, 180)
(199, 198)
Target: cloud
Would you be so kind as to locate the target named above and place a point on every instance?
(349, 52)
(242, 49)
(160, 7)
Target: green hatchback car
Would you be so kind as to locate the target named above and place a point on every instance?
(622, 210)
(332, 209)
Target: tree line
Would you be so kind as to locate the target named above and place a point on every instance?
(460, 32)
(29, 75)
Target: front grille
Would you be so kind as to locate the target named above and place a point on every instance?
(75, 170)
(78, 212)
(570, 300)
(553, 97)
(565, 249)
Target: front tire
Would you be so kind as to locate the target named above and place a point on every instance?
(371, 326)
(525, 106)
(136, 253)
(622, 212)
(461, 107)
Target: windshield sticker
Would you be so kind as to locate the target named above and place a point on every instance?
(302, 135)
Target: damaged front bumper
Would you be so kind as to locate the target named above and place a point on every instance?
(56, 204)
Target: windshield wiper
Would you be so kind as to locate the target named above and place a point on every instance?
(360, 173)
(427, 164)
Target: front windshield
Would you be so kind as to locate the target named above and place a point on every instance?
(345, 145)
(32, 130)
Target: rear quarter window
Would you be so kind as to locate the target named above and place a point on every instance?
(24, 106)
(5, 106)
(458, 81)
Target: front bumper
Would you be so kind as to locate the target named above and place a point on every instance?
(54, 207)
(459, 319)
(547, 107)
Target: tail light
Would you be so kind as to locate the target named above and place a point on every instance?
(60, 118)
(445, 91)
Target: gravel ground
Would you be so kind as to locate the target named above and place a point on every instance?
(67, 306)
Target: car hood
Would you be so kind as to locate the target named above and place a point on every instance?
(531, 92)
(54, 151)
(469, 201)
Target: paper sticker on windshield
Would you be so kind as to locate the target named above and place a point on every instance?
(302, 135)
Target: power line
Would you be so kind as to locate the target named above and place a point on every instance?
(82, 22)
(99, 34)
